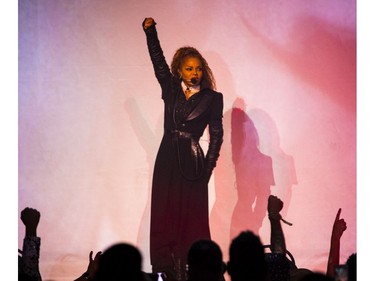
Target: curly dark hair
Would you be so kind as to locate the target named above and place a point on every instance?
(208, 80)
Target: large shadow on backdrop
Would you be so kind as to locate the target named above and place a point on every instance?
(253, 172)
(283, 166)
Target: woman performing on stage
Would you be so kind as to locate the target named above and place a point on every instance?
(179, 203)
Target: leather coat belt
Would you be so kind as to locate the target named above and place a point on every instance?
(196, 151)
(180, 134)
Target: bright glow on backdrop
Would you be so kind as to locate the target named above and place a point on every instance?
(90, 120)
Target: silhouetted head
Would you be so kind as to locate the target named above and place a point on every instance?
(247, 258)
(120, 262)
(352, 267)
(205, 261)
(316, 276)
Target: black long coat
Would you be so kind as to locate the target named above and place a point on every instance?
(179, 204)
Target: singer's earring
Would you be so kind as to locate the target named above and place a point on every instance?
(179, 75)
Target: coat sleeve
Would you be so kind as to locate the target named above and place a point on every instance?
(29, 261)
(216, 132)
(161, 68)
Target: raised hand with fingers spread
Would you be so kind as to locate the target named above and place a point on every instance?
(92, 267)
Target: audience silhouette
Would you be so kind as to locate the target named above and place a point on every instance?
(351, 263)
(248, 259)
(205, 261)
(92, 267)
(121, 261)
(278, 265)
(339, 226)
(316, 276)
(28, 260)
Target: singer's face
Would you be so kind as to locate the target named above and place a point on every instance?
(191, 68)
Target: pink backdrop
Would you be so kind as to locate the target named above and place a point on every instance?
(90, 120)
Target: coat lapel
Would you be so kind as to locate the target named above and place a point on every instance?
(202, 106)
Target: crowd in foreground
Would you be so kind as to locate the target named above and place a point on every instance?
(248, 259)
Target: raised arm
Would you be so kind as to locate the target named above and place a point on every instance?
(278, 244)
(29, 261)
(278, 264)
(161, 68)
(339, 226)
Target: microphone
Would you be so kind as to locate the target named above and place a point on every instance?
(194, 80)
